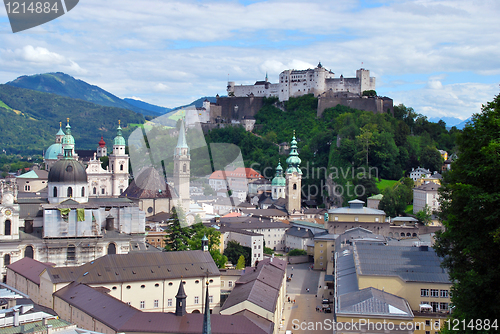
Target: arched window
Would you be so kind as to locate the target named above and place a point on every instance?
(71, 253)
(28, 252)
(111, 248)
(94, 190)
(83, 191)
(6, 259)
(55, 191)
(295, 186)
(184, 168)
(70, 192)
(8, 226)
(121, 167)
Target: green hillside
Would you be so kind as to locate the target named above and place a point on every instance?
(65, 85)
(29, 120)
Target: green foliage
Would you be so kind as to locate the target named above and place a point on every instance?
(234, 250)
(370, 92)
(29, 127)
(268, 251)
(397, 198)
(469, 199)
(296, 252)
(424, 215)
(241, 263)
(178, 236)
(431, 159)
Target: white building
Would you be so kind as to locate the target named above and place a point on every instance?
(294, 83)
(426, 194)
(419, 173)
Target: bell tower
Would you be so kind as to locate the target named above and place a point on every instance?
(118, 164)
(182, 169)
(293, 179)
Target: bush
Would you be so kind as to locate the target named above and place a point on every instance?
(296, 252)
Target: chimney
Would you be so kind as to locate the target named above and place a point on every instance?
(11, 303)
(16, 318)
(49, 329)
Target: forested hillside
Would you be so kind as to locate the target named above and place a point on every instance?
(344, 148)
(29, 120)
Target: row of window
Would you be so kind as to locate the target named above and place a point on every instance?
(170, 302)
(229, 284)
(437, 306)
(158, 285)
(434, 293)
(69, 192)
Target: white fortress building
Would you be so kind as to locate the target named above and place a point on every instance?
(294, 83)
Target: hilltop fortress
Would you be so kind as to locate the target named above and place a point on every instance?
(294, 83)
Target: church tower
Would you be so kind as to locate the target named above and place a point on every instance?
(102, 151)
(118, 164)
(293, 179)
(278, 184)
(182, 170)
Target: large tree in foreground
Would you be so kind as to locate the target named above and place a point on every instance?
(470, 211)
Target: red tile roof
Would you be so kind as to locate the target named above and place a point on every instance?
(248, 173)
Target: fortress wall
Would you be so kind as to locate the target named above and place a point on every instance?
(247, 106)
(376, 105)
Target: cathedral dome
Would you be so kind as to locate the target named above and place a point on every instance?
(279, 180)
(102, 143)
(53, 151)
(68, 171)
(119, 140)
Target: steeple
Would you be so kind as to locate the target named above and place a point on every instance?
(293, 160)
(278, 184)
(207, 327)
(204, 243)
(119, 140)
(181, 141)
(180, 301)
(60, 134)
(68, 142)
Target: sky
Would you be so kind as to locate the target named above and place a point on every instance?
(441, 58)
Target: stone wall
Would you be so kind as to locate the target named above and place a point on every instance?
(235, 108)
(373, 104)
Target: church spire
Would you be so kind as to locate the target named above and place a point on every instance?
(180, 301)
(68, 142)
(293, 160)
(207, 327)
(181, 141)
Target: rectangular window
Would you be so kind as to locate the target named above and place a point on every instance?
(222, 284)
(196, 299)
(169, 302)
(435, 306)
(443, 306)
(156, 303)
(444, 294)
(424, 292)
(230, 284)
(210, 299)
(434, 293)
(143, 304)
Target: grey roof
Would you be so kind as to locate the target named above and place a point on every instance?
(300, 232)
(265, 212)
(371, 301)
(259, 285)
(347, 280)
(308, 224)
(326, 236)
(140, 266)
(255, 224)
(411, 264)
(404, 219)
(149, 183)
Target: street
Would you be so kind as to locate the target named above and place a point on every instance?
(301, 316)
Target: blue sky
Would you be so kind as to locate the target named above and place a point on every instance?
(440, 57)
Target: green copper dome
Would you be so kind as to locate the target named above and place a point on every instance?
(293, 160)
(119, 140)
(53, 151)
(279, 180)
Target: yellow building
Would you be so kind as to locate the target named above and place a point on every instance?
(409, 280)
(324, 250)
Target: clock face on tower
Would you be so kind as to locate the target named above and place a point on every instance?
(8, 212)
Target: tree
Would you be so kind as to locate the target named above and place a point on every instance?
(197, 232)
(241, 263)
(424, 215)
(234, 250)
(297, 252)
(431, 159)
(469, 199)
(178, 236)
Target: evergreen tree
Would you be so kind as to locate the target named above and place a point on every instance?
(470, 201)
(178, 236)
(241, 263)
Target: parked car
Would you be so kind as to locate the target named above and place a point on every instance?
(326, 301)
